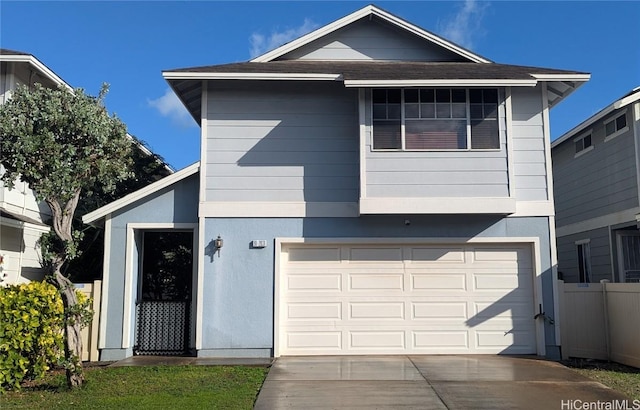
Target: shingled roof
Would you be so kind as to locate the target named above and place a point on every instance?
(383, 70)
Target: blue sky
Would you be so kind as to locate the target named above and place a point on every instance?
(128, 44)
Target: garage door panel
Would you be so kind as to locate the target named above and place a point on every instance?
(314, 340)
(313, 254)
(437, 310)
(431, 281)
(437, 340)
(315, 310)
(314, 283)
(366, 282)
(376, 310)
(376, 255)
(426, 255)
(385, 340)
(408, 299)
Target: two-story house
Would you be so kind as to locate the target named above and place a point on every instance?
(22, 217)
(595, 168)
(369, 188)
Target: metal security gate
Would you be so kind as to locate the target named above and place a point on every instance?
(163, 309)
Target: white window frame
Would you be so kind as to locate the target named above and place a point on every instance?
(617, 131)
(585, 244)
(584, 150)
(501, 101)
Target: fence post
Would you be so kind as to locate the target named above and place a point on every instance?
(605, 309)
(560, 316)
(95, 324)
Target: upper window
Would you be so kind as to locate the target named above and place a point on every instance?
(435, 119)
(582, 143)
(615, 126)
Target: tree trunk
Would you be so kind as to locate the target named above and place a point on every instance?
(62, 226)
(73, 337)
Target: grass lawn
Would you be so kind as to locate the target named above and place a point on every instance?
(619, 377)
(157, 387)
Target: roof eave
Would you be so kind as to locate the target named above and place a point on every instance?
(616, 105)
(37, 64)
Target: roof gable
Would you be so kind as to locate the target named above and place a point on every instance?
(141, 193)
(431, 41)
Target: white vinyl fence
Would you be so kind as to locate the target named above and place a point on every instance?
(90, 333)
(600, 321)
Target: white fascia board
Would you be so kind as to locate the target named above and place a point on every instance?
(27, 58)
(172, 75)
(141, 193)
(440, 83)
(466, 205)
(596, 117)
(357, 15)
(12, 223)
(562, 77)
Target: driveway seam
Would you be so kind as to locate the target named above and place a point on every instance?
(444, 403)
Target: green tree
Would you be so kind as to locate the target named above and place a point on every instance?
(62, 142)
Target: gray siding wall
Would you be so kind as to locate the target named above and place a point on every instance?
(599, 182)
(436, 173)
(371, 40)
(529, 166)
(600, 255)
(279, 141)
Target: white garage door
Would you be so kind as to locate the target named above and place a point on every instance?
(388, 299)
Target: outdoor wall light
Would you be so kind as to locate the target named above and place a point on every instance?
(218, 243)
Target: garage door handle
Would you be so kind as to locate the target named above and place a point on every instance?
(540, 312)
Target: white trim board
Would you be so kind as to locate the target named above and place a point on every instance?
(102, 332)
(141, 193)
(368, 11)
(187, 75)
(616, 218)
(463, 205)
(129, 294)
(440, 83)
(32, 60)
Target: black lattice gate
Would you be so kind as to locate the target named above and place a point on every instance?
(163, 310)
(163, 328)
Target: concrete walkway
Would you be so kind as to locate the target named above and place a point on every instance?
(427, 382)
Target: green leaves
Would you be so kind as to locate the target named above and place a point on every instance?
(60, 141)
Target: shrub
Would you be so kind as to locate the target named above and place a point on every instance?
(31, 332)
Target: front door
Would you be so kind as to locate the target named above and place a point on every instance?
(163, 307)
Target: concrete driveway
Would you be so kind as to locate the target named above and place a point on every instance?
(428, 382)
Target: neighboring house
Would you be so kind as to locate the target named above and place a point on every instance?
(369, 188)
(22, 217)
(595, 168)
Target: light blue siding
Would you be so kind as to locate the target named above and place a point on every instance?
(177, 203)
(438, 173)
(238, 286)
(529, 163)
(371, 40)
(279, 141)
(600, 255)
(596, 183)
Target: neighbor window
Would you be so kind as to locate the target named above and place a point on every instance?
(613, 127)
(435, 119)
(582, 143)
(584, 261)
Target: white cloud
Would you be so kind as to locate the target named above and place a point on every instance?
(466, 25)
(171, 107)
(260, 43)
